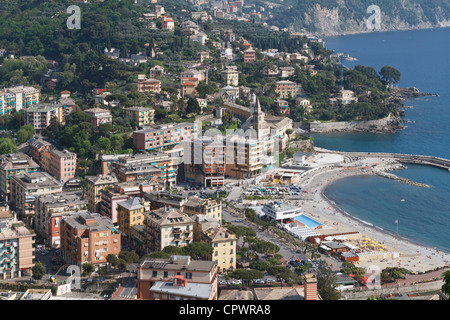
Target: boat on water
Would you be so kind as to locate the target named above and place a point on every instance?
(403, 200)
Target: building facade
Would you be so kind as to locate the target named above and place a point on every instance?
(167, 227)
(88, 238)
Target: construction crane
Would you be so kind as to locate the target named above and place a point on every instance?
(341, 57)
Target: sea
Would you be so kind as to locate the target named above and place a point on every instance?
(422, 214)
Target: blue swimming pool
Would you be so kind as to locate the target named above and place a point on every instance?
(308, 222)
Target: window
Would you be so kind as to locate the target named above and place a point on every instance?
(155, 273)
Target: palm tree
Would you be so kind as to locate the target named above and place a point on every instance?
(446, 285)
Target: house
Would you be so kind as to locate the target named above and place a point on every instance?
(99, 116)
(286, 72)
(287, 89)
(148, 85)
(230, 76)
(249, 55)
(281, 107)
(230, 94)
(168, 24)
(188, 89)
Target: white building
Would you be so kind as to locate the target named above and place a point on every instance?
(280, 211)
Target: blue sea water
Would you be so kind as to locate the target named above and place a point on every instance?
(422, 58)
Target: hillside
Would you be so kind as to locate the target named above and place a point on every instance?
(335, 17)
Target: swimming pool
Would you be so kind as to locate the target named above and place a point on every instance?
(310, 223)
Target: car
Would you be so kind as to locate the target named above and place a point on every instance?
(270, 280)
(236, 281)
(43, 253)
(223, 282)
(259, 281)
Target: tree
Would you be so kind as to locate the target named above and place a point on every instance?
(390, 75)
(281, 273)
(193, 106)
(88, 268)
(38, 270)
(199, 250)
(326, 282)
(246, 275)
(129, 256)
(113, 261)
(7, 145)
(446, 285)
(104, 144)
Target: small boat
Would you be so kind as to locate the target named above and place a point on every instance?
(403, 200)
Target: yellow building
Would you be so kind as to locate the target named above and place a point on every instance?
(141, 116)
(195, 205)
(223, 242)
(130, 213)
(95, 184)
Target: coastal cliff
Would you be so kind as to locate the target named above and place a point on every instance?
(340, 17)
(388, 124)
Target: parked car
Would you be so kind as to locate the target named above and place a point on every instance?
(270, 280)
(259, 281)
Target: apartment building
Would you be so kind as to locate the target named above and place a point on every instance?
(99, 116)
(37, 146)
(177, 278)
(167, 227)
(230, 76)
(141, 116)
(203, 222)
(25, 188)
(287, 89)
(131, 213)
(148, 85)
(111, 196)
(223, 242)
(16, 246)
(12, 164)
(39, 115)
(51, 209)
(17, 98)
(63, 164)
(195, 205)
(94, 186)
(204, 161)
(158, 167)
(164, 136)
(88, 238)
(243, 157)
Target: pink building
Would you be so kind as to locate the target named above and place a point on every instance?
(63, 164)
(168, 24)
(99, 116)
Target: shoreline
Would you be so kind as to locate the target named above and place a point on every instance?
(413, 255)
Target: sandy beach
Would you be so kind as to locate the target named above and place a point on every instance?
(412, 256)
